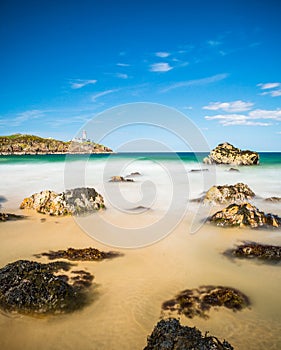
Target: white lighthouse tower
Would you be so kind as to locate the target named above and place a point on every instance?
(84, 136)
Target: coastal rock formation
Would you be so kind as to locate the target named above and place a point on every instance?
(253, 250)
(244, 214)
(71, 202)
(273, 199)
(85, 254)
(33, 288)
(30, 144)
(197, 302)
(120, 179)
(10, 217)
(225, 153)
(171, 335)
(229, 194)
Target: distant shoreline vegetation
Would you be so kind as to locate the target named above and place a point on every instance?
(20, 144)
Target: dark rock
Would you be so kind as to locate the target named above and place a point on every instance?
(225, 153)
(229, 194)
(33, 288)
(198, 170)
(120, 179)
(171, 335)
(244, 214)
(71, 202)
(234, 170)
(197, 302)
(273, 199)
(85, 254)
(136, 173)
(10, 217)
(253, 250)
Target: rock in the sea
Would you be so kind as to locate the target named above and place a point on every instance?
(171, 335)
(225, 153)
(135, 173)
(34, 288)
(71, 202)
(120, 179)
(229, 194)
(244, 214)
(197, 302)
(273, 199)
(234, 170)
(84, 254)
(198, 170)
(253, 250)
(10, 217)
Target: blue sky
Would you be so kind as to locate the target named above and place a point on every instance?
(218, 62)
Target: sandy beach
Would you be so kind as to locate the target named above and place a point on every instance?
(128, 291)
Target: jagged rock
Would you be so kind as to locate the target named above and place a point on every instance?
(229, 194)
(85, 254)
(244, 214)
(171, 335)
(197, 302)
(71, 202)
(253, 250)
(225, 153)
(10, 217)
(273, 199)
(33, 288)
(120, 179)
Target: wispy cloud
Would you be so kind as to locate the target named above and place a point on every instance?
(122, 75)
(252, 118)
(22, 117)
(79, 83)
(214, 43)
(272, 89)
(162, 54)
(119, 64)
(202, 81)
(234, 106)
(160, 67)
(102, 93)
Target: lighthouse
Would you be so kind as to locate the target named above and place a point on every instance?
(84, 136)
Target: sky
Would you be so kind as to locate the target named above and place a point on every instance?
(217, 62)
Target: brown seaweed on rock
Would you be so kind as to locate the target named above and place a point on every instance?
(30, 287)
(171, 335)
(84, 254)
(197, 302)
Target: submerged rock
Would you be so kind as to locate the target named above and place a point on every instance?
(253, 250)
(171, 335)
(135, 173)
(198, 170)
(85, 254)
(10, 217)
(229, 194)
(244, 214)
(225, 153)
(31, 287)
(197, 302)
(120, 179)
(71, 202)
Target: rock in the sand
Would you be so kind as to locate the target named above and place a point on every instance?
(244, 214)
(71, 202)
(197, 302)
(253, 250)
(120, 179)
(234, 170)
(34, 288)
(171, 335)
(84, 254)
(229, 194)
(225, 153)
(273, 199)
(10, 217)
(135, 173)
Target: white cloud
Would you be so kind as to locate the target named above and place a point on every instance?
(268, 85)
(272, 93)
(234, 106)
(122, 64)
(203, 81)
(122, 75)
(162, 54)
(252, 118)
(21, 118)
(160, 67)
(102, 93)
(79, 83)
(213, 43)
(278, 132)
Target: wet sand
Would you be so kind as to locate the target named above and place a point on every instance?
(128, 291)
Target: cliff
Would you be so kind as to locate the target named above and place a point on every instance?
(19, 144)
